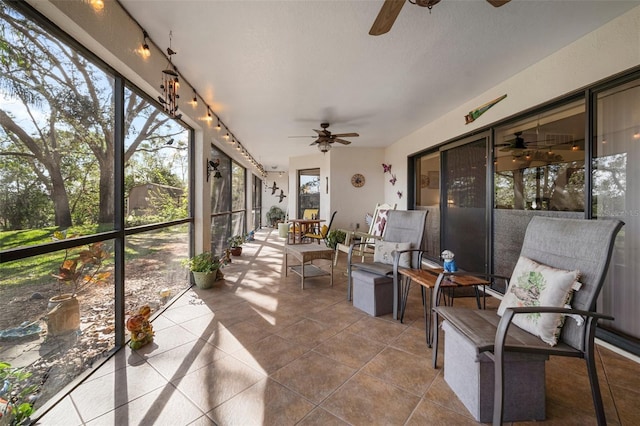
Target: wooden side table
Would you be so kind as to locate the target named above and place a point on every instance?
(430, 279)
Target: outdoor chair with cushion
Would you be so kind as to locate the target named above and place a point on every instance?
(366, 240)
(548, 309)
(404, 231)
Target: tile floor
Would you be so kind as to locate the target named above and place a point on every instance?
(258, 350)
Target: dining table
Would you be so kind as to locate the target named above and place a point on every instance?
(300, 227)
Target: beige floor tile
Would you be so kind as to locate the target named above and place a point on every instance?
(561, 415)
(161, 407)
(97, 397)
(217, 382)
(180, 314)
(413, 340)
(63, 413)
(202, 421)
(380, 330)
(270, 354)
(429, 413)
(440, 393)
(307, 332)
(121, 359)
(410, 372)
(367, 400)
(264, 403)
(338, 315)
(185, 359)
(350, 349)
(321, 417)
(628, 404)
(313, 376)
(162, 322)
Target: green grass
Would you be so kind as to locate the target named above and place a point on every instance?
(37, 270)
(31, 237)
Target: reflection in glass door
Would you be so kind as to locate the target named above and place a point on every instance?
(615, 174)
(308, 190)
(463, 201)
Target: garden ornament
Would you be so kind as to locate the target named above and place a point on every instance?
(140, 328)
(449, 263)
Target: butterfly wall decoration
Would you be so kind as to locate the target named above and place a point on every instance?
(386, 168)
(393, 179)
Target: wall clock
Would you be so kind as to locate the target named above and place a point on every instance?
(357, 180)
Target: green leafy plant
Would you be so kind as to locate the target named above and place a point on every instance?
(18, 392)
(334, 237)
(81, 266)
(204, 262)
(275, 215)
(235, 241)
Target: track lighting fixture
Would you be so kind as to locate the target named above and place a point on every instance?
(226, 136)
(218, 127)
(145, 52)
(194, 101)
(212, 166)
(97, 5)
(209, 117)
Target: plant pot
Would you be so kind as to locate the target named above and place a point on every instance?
(64, 315)
(236, 251)
(205, 279)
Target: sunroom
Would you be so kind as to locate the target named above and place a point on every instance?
(118, 142)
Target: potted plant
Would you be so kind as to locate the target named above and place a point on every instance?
(275, 215)
(235, 244)
(80, 267)
(335, 237)
(205, 268)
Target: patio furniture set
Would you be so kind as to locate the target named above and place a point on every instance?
(494, 360)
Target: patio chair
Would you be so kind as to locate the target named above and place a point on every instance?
(322, 235)
(366, 240)
(404, 230)
(560, 248)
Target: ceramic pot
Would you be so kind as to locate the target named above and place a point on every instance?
(236, 251)
(205, 280)
(64, 315)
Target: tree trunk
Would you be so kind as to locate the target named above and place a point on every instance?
(107, 196)
(60, 200)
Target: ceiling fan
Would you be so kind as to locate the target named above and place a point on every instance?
(325, 138)
(532, 143)
(391, 9)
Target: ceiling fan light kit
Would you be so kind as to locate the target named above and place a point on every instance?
(325, 138)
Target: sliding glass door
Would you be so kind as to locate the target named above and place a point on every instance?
(464, 202)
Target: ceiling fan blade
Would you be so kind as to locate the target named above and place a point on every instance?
(342, 141)
(498, 3)
(322, 132)
(302, 136)
(314, 142)
(387, 16)
(345, 135)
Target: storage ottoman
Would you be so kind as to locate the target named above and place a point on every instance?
(470, 376)
(372, 293)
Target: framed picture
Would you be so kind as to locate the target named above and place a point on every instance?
(433, 178)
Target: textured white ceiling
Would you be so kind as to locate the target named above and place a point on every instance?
(271, 69)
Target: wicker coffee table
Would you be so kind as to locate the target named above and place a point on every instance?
(307, 253)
